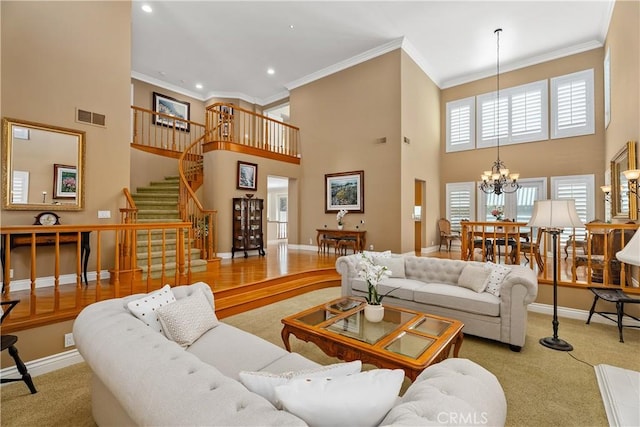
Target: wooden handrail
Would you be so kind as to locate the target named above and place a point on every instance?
(158, 132)
(513, 233)
(227, 123)
(203, 221)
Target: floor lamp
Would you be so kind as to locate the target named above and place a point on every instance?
(630, 254)
(553, 216)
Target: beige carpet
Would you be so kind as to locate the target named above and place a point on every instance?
(543, 387)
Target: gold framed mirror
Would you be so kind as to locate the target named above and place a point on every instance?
(42, 166)
(623, 205)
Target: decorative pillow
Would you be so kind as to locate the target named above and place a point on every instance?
(497, 274)
(474, 277)
(359, 399)
(395, 265)
(264, 383)
(146, 307)
(188, 318)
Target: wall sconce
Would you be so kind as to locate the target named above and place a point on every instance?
(606, 189)
(632, 176)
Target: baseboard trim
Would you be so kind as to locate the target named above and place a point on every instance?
(45, 364)
(574, 313)
(49, 281)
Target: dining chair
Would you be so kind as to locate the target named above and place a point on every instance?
(533, 246)
(446, 234)
(8, 343)
(475, 241)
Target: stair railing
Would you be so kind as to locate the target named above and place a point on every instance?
(128, 215)
(203, 221)
(228, 123)
(158, 132)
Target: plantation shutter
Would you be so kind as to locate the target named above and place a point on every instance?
(494, 114)
(20, 187)
(526, 114)
(460, 125)
(572, 104)
(460, 203)
(578, 188)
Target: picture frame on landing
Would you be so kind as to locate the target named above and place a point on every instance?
(247, 176)
(65, 181)
(344, 191)
(169, 106)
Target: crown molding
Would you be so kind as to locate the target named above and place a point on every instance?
(420, 61)
(164, 85)
(528, 62)
(347, 63)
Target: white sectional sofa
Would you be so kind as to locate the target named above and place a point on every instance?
(141, 377)
(437, 286)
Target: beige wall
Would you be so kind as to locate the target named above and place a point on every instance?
(341, 118)
(623, 42)
(36, 343)
(44, 81)
(420, 157)
(553, 157)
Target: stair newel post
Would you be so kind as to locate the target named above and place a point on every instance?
(135, 127)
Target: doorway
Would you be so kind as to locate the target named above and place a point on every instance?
(277, 209)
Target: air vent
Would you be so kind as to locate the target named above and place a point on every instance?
(85, 116)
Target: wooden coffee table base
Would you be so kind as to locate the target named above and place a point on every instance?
(349, 353)
(404, 339)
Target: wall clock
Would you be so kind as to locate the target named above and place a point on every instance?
(47, 218)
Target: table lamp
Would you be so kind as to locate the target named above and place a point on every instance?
(553, 216)
(630, 254)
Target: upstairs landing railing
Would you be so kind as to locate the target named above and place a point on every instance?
(229, 124)
(162, 133)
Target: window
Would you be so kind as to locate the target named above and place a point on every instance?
(20, 187)
(580, 188)
(461, 125)
(518, 205)
(572, 105)
(460, 203)
(521, 115)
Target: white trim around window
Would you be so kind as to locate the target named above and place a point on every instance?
(572, 105)
(461, 124)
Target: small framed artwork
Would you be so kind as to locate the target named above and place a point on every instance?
(344, 191)
(65, 181)
(247, 176)
(171, 107)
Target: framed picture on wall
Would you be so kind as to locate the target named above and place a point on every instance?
(344, 191)
(65, 180)
(247, 176)
(169, 106)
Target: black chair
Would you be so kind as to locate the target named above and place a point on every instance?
(8, 343)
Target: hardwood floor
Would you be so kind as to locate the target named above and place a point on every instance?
(238, 284)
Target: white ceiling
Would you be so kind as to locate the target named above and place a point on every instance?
(227, 46)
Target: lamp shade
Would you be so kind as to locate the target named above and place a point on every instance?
(630, 254)
(555, 214)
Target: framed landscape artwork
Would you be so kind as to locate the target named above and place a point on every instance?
(65, 179)
(247, 176)
(171, 107)
(344, 191)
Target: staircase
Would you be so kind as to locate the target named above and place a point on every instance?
(158, 202)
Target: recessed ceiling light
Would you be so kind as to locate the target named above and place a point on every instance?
(198, 86)
(291, 26)
(271, 71)
(147, 8)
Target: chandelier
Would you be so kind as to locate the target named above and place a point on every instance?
(498, 180)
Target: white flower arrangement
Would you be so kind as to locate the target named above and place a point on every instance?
(341, 215)
(373, 274)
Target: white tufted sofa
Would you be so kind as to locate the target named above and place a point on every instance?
(431, 286)
(142, 378)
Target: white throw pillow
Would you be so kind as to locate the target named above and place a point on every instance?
(264, 383)
(395, 265)
(188, 318)
(146, 307)
(497, 274)
(474, 277)
(355, 400)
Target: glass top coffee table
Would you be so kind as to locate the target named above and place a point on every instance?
(404, 339)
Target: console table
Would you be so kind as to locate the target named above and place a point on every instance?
(359, 235)
(49, 239)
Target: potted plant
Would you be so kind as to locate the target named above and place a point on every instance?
(340, 216)
(373, 274)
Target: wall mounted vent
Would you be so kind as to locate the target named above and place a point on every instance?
(85, 116)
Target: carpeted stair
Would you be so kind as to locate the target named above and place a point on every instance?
(158, 202)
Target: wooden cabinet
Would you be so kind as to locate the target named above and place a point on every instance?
(247, 226)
